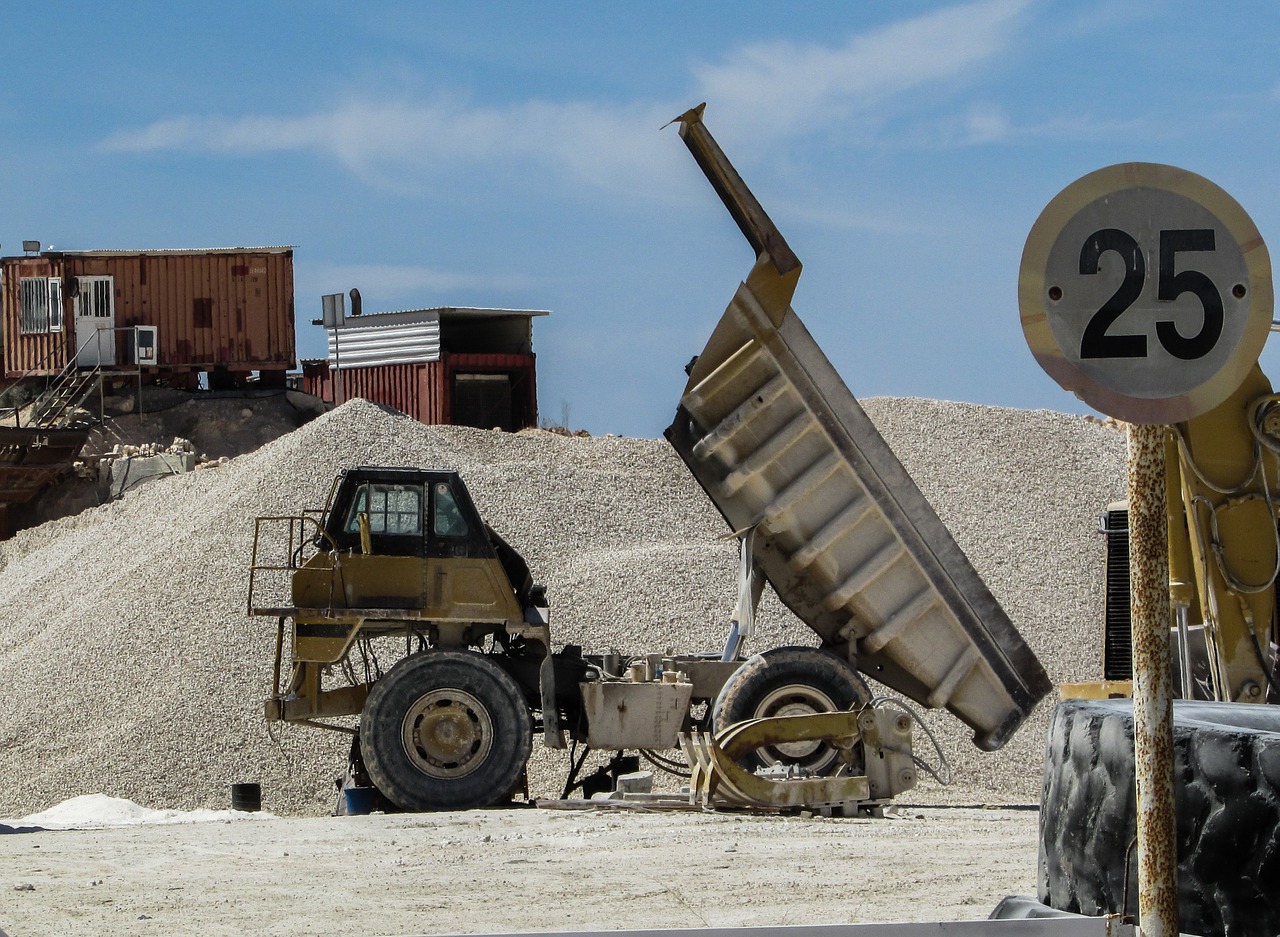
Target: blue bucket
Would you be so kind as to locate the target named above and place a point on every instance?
(360, 800)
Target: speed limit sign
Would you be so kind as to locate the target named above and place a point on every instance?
(1146, 290)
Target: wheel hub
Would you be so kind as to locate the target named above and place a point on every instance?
(447, 733)
(797, 700)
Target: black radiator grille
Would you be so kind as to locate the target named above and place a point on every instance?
(1117, 648)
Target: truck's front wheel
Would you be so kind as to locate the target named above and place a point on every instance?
(445, 730)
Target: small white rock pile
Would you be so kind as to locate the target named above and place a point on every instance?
(101, 465)
(129, 666)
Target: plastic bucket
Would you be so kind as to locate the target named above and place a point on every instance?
(360, 800)
(246, 797)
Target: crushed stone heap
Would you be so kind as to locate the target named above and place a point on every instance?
(131, 668)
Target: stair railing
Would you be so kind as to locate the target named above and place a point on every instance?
(70, 368)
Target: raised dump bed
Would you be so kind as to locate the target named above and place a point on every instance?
(842, 533)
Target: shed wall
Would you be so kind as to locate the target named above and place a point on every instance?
(424, 390)
(369, 342)
(44, 352)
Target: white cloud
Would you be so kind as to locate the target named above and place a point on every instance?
(355, 131)
(388, 283)
(398, 143)
(987, 124)
(981, 123)
(756, 95)
(783, 87)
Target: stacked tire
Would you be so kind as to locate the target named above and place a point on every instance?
(1227, 790)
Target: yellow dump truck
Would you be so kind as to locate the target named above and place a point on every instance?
(826, 513)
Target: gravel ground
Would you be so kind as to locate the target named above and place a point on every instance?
(513, 872)
(130, 667)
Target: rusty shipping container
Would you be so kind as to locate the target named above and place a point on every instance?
(227, 311)
(483, 390)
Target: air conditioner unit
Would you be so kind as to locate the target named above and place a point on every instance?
(144, 351)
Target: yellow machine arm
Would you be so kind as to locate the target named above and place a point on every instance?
(875, 743)
(1223, 475)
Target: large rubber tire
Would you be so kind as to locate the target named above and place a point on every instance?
(445, 730)
(1227, 790)
(787, 681)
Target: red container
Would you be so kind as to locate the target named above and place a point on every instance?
(226, 311)
(485, 390)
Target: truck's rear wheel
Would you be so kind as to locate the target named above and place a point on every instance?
(1227, 790)
(445, 730)
(790, 681)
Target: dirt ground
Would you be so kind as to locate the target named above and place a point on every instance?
(514, 870)
(493, 871)
(218, 424)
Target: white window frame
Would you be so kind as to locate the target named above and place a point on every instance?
(56, 307)
(97, 294)
(46, 295)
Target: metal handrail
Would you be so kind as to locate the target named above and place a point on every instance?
(71, 367)
(297, 541)
(67, 368)
(16, 411)
(78, 381)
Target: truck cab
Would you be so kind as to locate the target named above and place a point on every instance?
(400, 545)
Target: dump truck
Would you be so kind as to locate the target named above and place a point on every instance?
(826, 515)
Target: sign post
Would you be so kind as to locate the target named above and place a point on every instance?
(1146, 290)
(334, 307)
(1153, 687)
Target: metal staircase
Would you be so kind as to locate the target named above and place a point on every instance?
(40, 442)
(61, 405)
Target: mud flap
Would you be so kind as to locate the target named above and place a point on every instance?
(552, 735)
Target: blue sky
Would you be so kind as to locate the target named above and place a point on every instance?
(510, 154)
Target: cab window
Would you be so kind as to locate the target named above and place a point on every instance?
(394, 510)
(448, 520)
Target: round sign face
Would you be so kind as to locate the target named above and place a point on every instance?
(1146, 290)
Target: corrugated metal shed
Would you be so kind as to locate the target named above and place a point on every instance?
(416, 336)
(387, 338)
(223, 309)
(172, 251)
(41, 352)
(464, 366)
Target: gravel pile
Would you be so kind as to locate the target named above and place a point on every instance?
(130, 667)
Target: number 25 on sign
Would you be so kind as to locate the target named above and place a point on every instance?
(1146, 290)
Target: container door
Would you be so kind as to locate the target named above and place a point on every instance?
(95, 322)
(484, 401)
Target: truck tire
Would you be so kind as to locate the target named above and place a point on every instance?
(445, 730)
(787, 681)
(1227, 791)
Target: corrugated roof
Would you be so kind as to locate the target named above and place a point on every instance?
(447, 312)
(174, 250)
